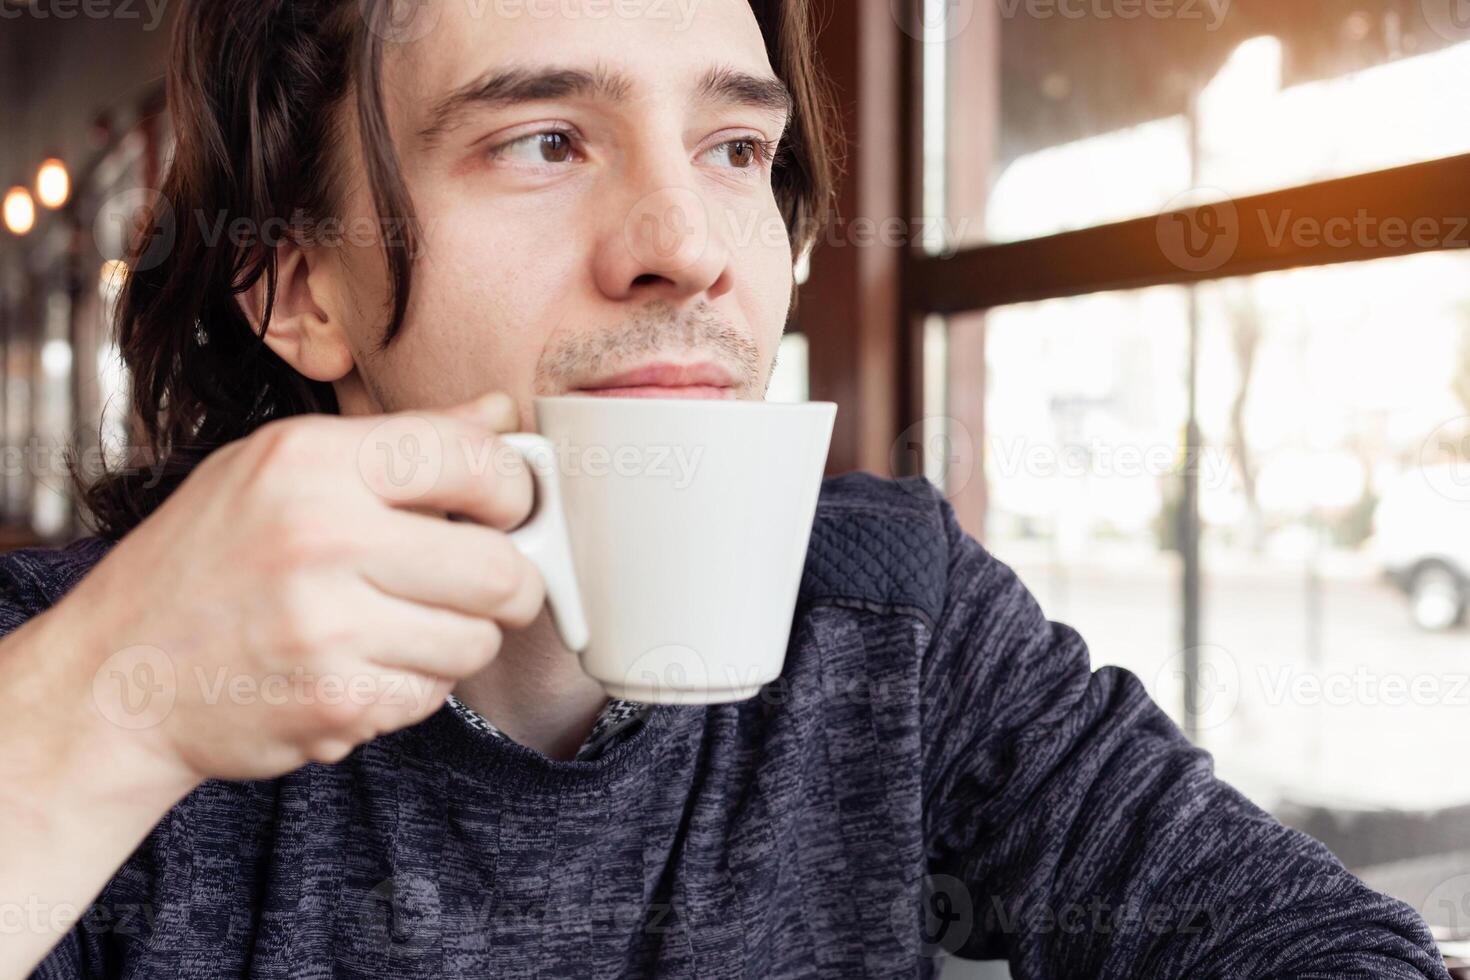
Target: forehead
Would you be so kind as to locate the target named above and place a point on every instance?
(661, 46)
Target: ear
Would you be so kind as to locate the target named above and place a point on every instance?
(305, 330)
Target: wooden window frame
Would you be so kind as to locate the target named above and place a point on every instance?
(864, 308)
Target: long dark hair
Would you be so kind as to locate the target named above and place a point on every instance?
(253, 88)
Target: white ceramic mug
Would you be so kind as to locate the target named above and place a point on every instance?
(672, 536)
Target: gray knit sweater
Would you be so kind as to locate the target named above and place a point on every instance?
(937, 771)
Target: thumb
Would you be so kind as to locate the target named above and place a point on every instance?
(495, 409)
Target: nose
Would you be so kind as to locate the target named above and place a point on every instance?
(664, 245)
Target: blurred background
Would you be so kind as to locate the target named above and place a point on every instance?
(1171, 297)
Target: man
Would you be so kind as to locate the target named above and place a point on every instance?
(553, 201)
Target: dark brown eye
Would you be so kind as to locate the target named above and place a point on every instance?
(555, 147)
(742, 153)
(549, 146)
(745, 153)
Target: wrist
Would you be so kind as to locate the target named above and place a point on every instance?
(92, 720)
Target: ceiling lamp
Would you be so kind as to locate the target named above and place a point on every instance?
(20, 211)
(53, 184)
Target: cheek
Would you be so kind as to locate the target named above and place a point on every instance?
(769, 276)
(490, 284)
(512, 257)
(360, 300)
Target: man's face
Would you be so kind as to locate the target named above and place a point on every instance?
(573, 233)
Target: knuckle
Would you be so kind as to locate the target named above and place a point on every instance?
(522, 610)
(297, 540)
(335, 713)
(499, 582)
(330, 750)
(474, 648)
(491, 637)
(301, 626)
(281, 447)
(297, 534)
(433, 699)
(514, 488)
(222, 457)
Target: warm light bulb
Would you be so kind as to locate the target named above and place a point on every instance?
(53, 183)
(20, 211)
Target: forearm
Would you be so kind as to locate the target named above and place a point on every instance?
(77, 793)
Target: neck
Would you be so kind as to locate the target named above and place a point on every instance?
(535, 692)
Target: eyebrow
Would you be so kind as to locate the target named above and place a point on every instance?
(504, 87)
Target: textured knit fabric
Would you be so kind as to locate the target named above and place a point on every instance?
(618, 719)
(937, 769)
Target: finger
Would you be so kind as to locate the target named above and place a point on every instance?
(474, 570)
(496, 410)
(446, 461)
(360, 700)
(427, 695)
(401, 635)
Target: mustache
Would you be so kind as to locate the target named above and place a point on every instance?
(658, 328)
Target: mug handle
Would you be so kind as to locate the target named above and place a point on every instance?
(544, 540)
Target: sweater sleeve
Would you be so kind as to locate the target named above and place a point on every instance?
(1074, 830)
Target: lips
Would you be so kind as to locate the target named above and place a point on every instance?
(666, 380)
(660, 391)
